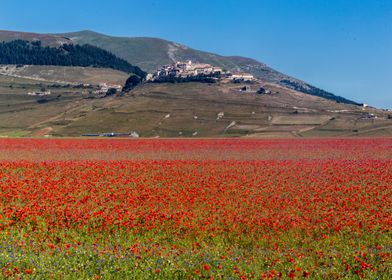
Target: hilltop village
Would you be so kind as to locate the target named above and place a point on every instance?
(188, 70)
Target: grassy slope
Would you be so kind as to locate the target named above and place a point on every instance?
(147, 53)
(21, 115)
(78, 75)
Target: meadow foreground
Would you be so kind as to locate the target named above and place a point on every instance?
(214, 209)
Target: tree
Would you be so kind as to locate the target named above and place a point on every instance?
(131, 82)
(111, 91)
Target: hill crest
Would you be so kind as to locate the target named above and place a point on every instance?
(46, 39)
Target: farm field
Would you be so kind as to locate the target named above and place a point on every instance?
(171, 110)
(186, 209)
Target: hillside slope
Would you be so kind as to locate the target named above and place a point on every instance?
(172, 110)
(63, 75)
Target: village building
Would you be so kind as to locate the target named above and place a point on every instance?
(184, 70)
(39, 93)
(242, 76)
(104, 88)
(190, 69)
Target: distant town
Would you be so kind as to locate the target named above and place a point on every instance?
(185, 71)
(188, 69)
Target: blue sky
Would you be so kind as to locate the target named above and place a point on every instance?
(343, 46)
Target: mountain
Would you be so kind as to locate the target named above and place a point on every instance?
(151, 53)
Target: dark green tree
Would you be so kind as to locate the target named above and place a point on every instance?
(131, 82)
(21, 52)
(111, 91)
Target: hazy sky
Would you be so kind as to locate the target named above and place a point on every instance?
(343, 46)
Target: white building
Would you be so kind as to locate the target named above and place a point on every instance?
(242, 76)
(185, 69)
(182, 69)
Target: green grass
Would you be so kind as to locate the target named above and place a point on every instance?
(126, 255)
(15, 134)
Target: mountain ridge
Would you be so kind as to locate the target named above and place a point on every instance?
(47, 39)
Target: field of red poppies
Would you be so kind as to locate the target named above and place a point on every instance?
(215, 209)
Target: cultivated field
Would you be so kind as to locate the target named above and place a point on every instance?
(173, 110)
(185, 209)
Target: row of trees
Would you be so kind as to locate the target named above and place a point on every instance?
(201, 78)
(33, 53)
